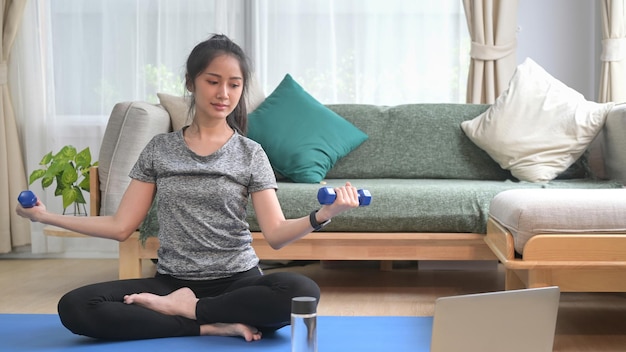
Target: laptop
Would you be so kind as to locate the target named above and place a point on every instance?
(511, 321)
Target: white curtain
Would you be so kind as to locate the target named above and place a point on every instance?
(493, 28)
(14, 231)
(356, 51)
(74, 59)
(613, 57)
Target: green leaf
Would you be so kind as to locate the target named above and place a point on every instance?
(46, 182)
(59, 190)
(54, 169)
(85, 172)
(46, 159)
(69, 175)
(68, 152)
(35, 175)
(69, 196)
(79, 196)
(83, 159)
(84, 184)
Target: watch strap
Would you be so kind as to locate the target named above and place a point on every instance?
(314, 224)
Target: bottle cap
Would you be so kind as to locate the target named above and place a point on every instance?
(303, 305)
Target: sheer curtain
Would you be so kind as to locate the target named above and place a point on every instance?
(74, 59)
(375, 52)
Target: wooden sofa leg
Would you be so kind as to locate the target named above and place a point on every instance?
(129, 261)
(512, 279)
(539, 278)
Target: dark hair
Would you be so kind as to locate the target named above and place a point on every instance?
(202, 55)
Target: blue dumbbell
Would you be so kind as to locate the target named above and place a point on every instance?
(327, 195)
(27, 199)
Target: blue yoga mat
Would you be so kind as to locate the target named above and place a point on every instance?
(44, 332)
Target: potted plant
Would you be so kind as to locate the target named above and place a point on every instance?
(70, 170)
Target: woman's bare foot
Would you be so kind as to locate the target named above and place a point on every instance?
(181, 302)
(248, 332)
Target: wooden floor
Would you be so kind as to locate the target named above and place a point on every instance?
(586, 322)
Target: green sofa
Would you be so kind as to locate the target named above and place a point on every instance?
(431, 185)
(424, 174)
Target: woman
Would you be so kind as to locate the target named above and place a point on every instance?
(208, 281)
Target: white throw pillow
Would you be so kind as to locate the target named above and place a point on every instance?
(178, 107)
(538, 127)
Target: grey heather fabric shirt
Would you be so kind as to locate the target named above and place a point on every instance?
(203, 231)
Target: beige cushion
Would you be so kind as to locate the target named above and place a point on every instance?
(178, 107)
(538, 127)
(528, 212)
(255, 94)
(130, 127)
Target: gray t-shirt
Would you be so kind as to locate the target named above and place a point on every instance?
(203, 231)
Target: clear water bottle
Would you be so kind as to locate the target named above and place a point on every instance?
(304, 324)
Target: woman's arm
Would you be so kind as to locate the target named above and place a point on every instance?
(279, 231)
(132, 210)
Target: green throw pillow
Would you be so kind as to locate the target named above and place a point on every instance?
(302, 138)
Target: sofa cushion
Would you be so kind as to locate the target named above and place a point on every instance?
(538, 127)
(557, 211)
(302, 138)
(415, 141)
(130, 127)
(426, 205)
(178, 109)
(420, 205)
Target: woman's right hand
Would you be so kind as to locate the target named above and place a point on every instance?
(126, 220)
(32, 213)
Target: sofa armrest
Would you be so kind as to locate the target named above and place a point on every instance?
(130, 127)
(615, 143)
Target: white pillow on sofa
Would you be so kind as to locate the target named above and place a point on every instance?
(538, 127)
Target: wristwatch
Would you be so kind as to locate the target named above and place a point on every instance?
(316, 226)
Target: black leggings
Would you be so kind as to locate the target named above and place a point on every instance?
(262, 301)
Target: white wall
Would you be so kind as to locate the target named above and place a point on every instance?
(564, 37)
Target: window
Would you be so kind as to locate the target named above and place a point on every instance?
(374, 52)
(360, 51)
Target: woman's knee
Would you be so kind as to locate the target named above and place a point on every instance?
(71, 308)
(297, 284)
(308, 287)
